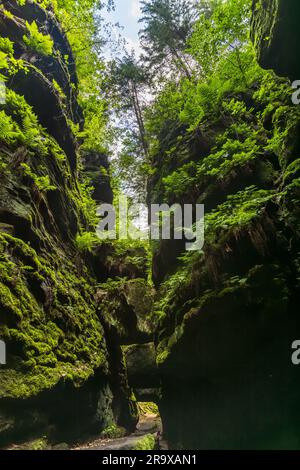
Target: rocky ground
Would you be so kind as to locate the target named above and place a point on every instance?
(149, 424)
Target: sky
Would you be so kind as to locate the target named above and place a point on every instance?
(127, 14)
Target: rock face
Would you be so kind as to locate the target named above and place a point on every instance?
(96, 167)
(141, 366)
(63, 370)
(276, 35)
(126, 307)
(229, 315)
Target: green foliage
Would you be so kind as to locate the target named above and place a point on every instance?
(82, 22)
(7, 61)
(40, 43)
(7, 46)
(113, 432)
(146, 408)
(167, 27)
(43, 183)
(221, 46)
(181, 180)
(86, 204)
(86, 241)
(20, 125)
(222, 35)
(238, 211)
(8, 131)
(146, 443)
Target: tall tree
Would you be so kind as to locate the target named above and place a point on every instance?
(168, 25)
(222, 36)
(128, 79)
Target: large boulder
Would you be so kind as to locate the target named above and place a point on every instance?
(141, 366)
(126, 307)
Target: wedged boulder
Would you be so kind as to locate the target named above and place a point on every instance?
(276, 35)
(109, 262)
(127, 307)
(141, 366)
(147, 395)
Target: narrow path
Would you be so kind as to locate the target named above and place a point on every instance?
(148, 424)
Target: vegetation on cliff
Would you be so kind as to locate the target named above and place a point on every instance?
(194, 120)
(223, 132)
(50, 322)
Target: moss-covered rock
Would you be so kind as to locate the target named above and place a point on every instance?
(228, 314)
(113, 432)
(126, 305)
(276, 36)
(146, 443)
(58, 358)
(141, 366)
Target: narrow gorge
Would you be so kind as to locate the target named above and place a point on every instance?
(93, 329)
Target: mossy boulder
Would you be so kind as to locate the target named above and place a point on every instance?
(126, 306)
(141, 365)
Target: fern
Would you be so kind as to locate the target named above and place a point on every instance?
(43, 44)
(31, 132)
(7, 46)
(86, 241)
(43, 183)
(8, 132)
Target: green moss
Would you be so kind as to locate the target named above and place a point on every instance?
(67, 342)
(147, 443)
(146, 408)
(86, 241)
(162, 356)
(113, 432)
(36, 444)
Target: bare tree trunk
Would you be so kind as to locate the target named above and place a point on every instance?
(184, 67)
(139, 118)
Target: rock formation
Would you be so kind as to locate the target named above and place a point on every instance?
(276, 35)
(78, 316)
(64, 375)
(230, 316)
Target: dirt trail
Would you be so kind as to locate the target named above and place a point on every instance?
(149, 424)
